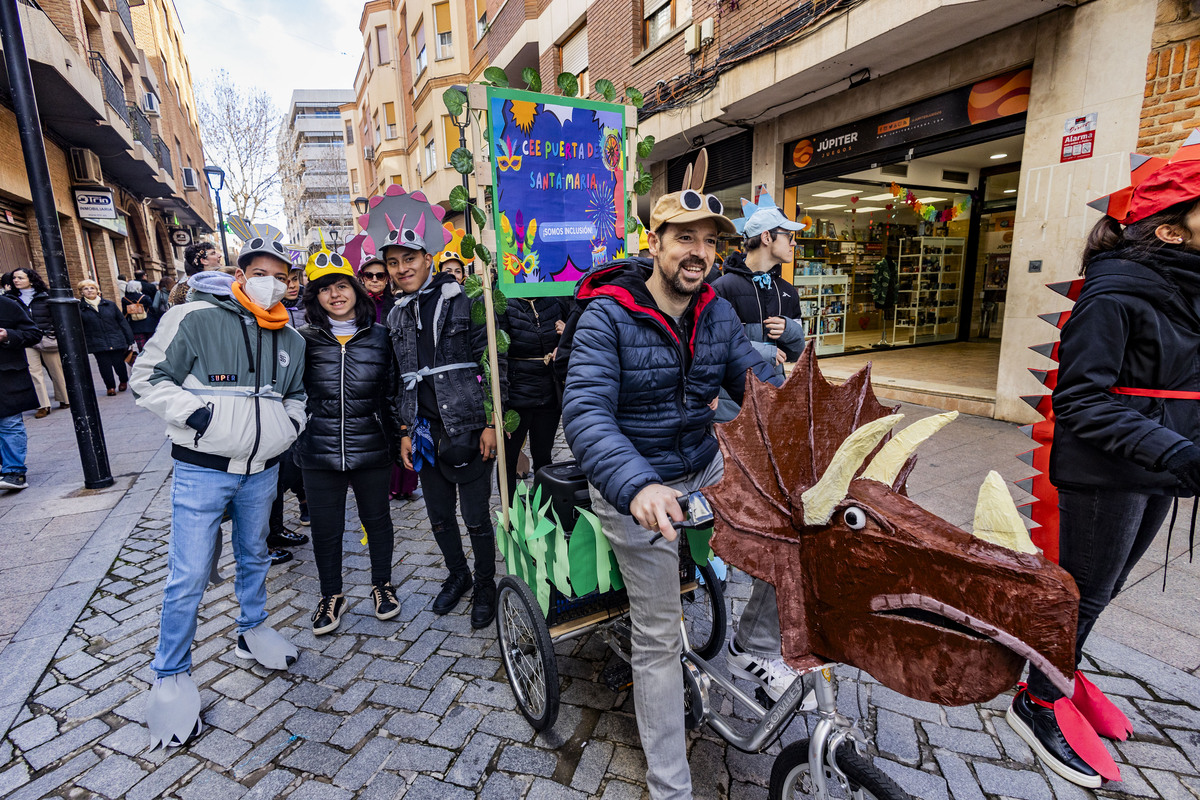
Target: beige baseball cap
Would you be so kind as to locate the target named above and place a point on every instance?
(690, 203)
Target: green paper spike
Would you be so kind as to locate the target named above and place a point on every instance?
(614, 570)
(697, 539)
(561, 572)
(581, 550)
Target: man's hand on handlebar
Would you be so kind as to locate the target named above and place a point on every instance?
(656, 508)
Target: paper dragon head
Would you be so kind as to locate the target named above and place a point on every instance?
(1156, 184)
(812, 503)
(453, 249)
(400, 219)
(258, 240)
(325, 262)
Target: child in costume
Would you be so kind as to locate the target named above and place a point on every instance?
(1126, 408)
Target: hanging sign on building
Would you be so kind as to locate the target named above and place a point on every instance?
(1002, 96)
(95, 204)
(1079, 137)
(181, 237)
(558, 176)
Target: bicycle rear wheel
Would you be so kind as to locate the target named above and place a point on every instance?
(704, 615)
(791, 777)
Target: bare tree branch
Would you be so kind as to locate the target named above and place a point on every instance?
(239, 125)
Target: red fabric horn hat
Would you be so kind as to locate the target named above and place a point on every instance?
(1156, 184)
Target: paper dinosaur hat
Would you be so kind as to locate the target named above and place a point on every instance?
(453, 248)
(259, 240)
(325, 262)
(400, 218)
(763, 216)
(1156, 184)
(690, 203)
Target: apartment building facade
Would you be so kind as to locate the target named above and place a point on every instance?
(120, 129)
(396, 126)
(312, 158)
(959, 139)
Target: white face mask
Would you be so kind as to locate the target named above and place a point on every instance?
(265, 291)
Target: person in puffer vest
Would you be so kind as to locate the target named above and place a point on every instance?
(225, 372)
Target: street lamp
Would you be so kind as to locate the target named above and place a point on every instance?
(362, 204)
(216, 179)
(462, 142)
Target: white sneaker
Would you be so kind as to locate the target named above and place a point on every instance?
(773, 675)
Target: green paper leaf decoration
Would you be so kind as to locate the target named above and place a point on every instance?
(484, 255)
(605, 87)
(462, 161)
(560, 572)
(503, 341)
(616, 582)
(581, 550)
(496, 76)
(501, 300)
(532, 79)
(479, 217)
(473, 286)
(458, 198)
(511, 420)
(488, 408)
(568, 84)
(478, 315)
(643, 185)
(635, 97)
(645, 147)
(697, 539)
(454, 100)
(631, 224)
(467, 247)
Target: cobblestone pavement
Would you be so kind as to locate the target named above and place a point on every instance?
(419, 706)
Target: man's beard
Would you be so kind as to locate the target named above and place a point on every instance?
(676, 283)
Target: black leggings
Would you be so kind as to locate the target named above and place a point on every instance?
(541, 424)
(326, 491)
(111, 361)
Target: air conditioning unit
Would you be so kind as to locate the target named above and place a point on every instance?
(369, 153)
(150, 104)
(691, 39)
(85, 166)
(189, 179)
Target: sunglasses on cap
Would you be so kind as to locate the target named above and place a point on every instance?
(693, 200)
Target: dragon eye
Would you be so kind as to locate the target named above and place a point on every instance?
(855, 517)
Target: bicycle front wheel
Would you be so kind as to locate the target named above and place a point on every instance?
(791, 777)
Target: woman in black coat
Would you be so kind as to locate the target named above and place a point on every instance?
(27, 286)
(350, 380)
(17, 332)
(1127, 415)
(143, 324)
(107, 335)
(534, 325)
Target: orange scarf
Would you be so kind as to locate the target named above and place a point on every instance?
(272, 320)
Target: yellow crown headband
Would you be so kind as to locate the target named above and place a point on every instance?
(326, 262)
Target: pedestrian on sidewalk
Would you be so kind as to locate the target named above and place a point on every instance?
(226, 374)
(445, 435)
(162, 299)
(350, 378)
(26, 286)
(17, 332)
(1126, 409)
(137, 306)
(107, 335)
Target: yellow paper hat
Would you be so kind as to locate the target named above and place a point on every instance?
(453, 248)
(326, 262)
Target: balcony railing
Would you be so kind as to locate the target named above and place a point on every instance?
(164, 155)
(140, 126)
(126, 17)
(114, 89)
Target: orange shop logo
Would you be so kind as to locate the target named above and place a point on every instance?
(802, 153)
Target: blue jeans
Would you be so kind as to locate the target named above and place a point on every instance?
(12, 444)
(1102, 533)
(199, 497)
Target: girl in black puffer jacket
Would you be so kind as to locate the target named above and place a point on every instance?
(350, 378)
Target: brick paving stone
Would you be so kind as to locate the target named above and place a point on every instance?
(59, 696)
(130, 739)
(1154, 755)
(710, 777)
(219, 747)
(1132, 783)
(917, 783)
(308, 695)
(619, 790)
(490, 693)
(457, 724)
(527, 760)
(593, 763)
(385, 786)
(500, 786)
(315, 790)
(13, 778)
(238, 684)
(271, 785)
(1014, 746)
(402, 697)
(388, 671)
(353, 696)
(429, 788)
(56, 778)
(543, 789)
(407, 725)
(425, 646)
(349, 669)
(473, 760)
(883, 697)
(1174, 715)
(445, 693)
(1189, 743)
(963, 785)
(1065, 790)
(209, 785)
(431, 671)
(313, 665)
(34, 733)
(410, 757)
(269, 693)
(229, 715)
(365, 764)
(267, 721)
(1020, 784)
(963, 717)
(157, 782)
(316, 758)
(77, 665)
(113, 776)
(65, 744)
(313, 726)
(263, 753)
(355, 727)
(99, 703)
(1167, 785)
(896, 735)
(957, 740)
(112, 672)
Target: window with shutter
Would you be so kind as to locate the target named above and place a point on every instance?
(452, 139)
(389, 117)
(445, 38)
(419, 48)
(382, 46)
(574, 52)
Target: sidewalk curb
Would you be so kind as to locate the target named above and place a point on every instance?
(32, 648)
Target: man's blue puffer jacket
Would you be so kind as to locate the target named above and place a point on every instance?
(634, 413)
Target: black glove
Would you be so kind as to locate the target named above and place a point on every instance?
(201, 417)
(1185, 465)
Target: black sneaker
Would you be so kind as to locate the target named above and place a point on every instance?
(12, 480)
(279, 556)
(483, 605)
(305, 520)
(453, 588)
(386, 605)
(328, 615)
(1036, 724)
(285, 538)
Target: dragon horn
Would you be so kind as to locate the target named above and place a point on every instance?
(891, 458)
(822, 497)
(420, 227)
(996, 517)
(390, 224)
